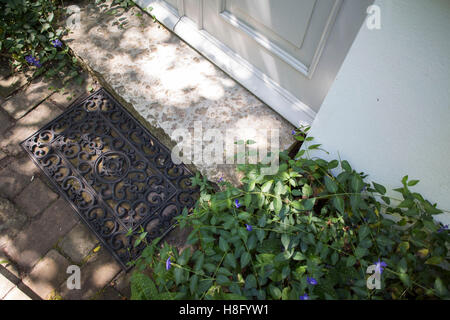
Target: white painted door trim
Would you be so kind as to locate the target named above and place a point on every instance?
(278, 98)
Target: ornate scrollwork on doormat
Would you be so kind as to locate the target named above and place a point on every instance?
(115, 174)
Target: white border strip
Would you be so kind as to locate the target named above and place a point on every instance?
(258, 83)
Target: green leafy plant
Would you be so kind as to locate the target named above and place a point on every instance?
(308, 232)
(31, 39)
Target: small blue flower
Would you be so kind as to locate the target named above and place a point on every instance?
(168, 264)
(248, 227)
(379, 266)
(311, 281)
(32, 60)
(443, 228)
(29, 59)
(57, 43)
(236, 203)
(220, 179)
(293, 132)
(304, 297)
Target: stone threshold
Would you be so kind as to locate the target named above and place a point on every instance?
(169, 86)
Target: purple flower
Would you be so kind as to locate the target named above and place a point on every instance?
(311, 281)
(220, 179)
(304, 297)
(32, 60)
(236, 203)
(168, 264)
(379, 266)
(29, 59)
(248, 227)
(293, 132)
(443, 228)
(57, 43)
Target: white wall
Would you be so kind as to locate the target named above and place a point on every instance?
(388, 112)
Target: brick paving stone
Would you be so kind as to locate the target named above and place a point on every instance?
(108, 293)
(6, 285)
(122, 283)
(11, 221)
(5, 121)
(95, 275)
(35, 198)
(78, 243)
(10, 82)
(12, 183)
(16, 294)
(24, 165)
(69, 93)
(25, 100)
(48, 274)
(28, 125)
(2, 154)
(42, 234)
(6, 263)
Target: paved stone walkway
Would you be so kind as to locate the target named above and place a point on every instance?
(40, 234)
(153, 73)
(170, 86)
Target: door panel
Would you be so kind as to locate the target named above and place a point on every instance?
(282, 19)
(298, 45)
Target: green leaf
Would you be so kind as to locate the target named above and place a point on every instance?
(142, 287)
(435, 260)
(346, 166)
(230, 260)
(223, 244)
(405, 279)
(308, 204)
(277, 204)
(260, 234)
(244, 216)
(380, 189)
(364, 231)
(298, 256)
(440, 287)
(245, 259)
(184, 257)
(404, 180)
(307, 191)
(222, 280)
(357, 183)
(333, 164)
(334, 258)
(330, 184)
(360, 252)
(224, 271)
(179, 275)
(275, 292)
(407, 203)
(279, 188)
(351, 260)
(285, 240)
(338, 203)
(266, 186)
(250, 282)
(193, 283)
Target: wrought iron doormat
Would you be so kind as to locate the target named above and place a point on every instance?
(114, 173)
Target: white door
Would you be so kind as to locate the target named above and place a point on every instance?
(294, 48)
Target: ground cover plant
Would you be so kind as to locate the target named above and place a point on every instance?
(308, 232)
